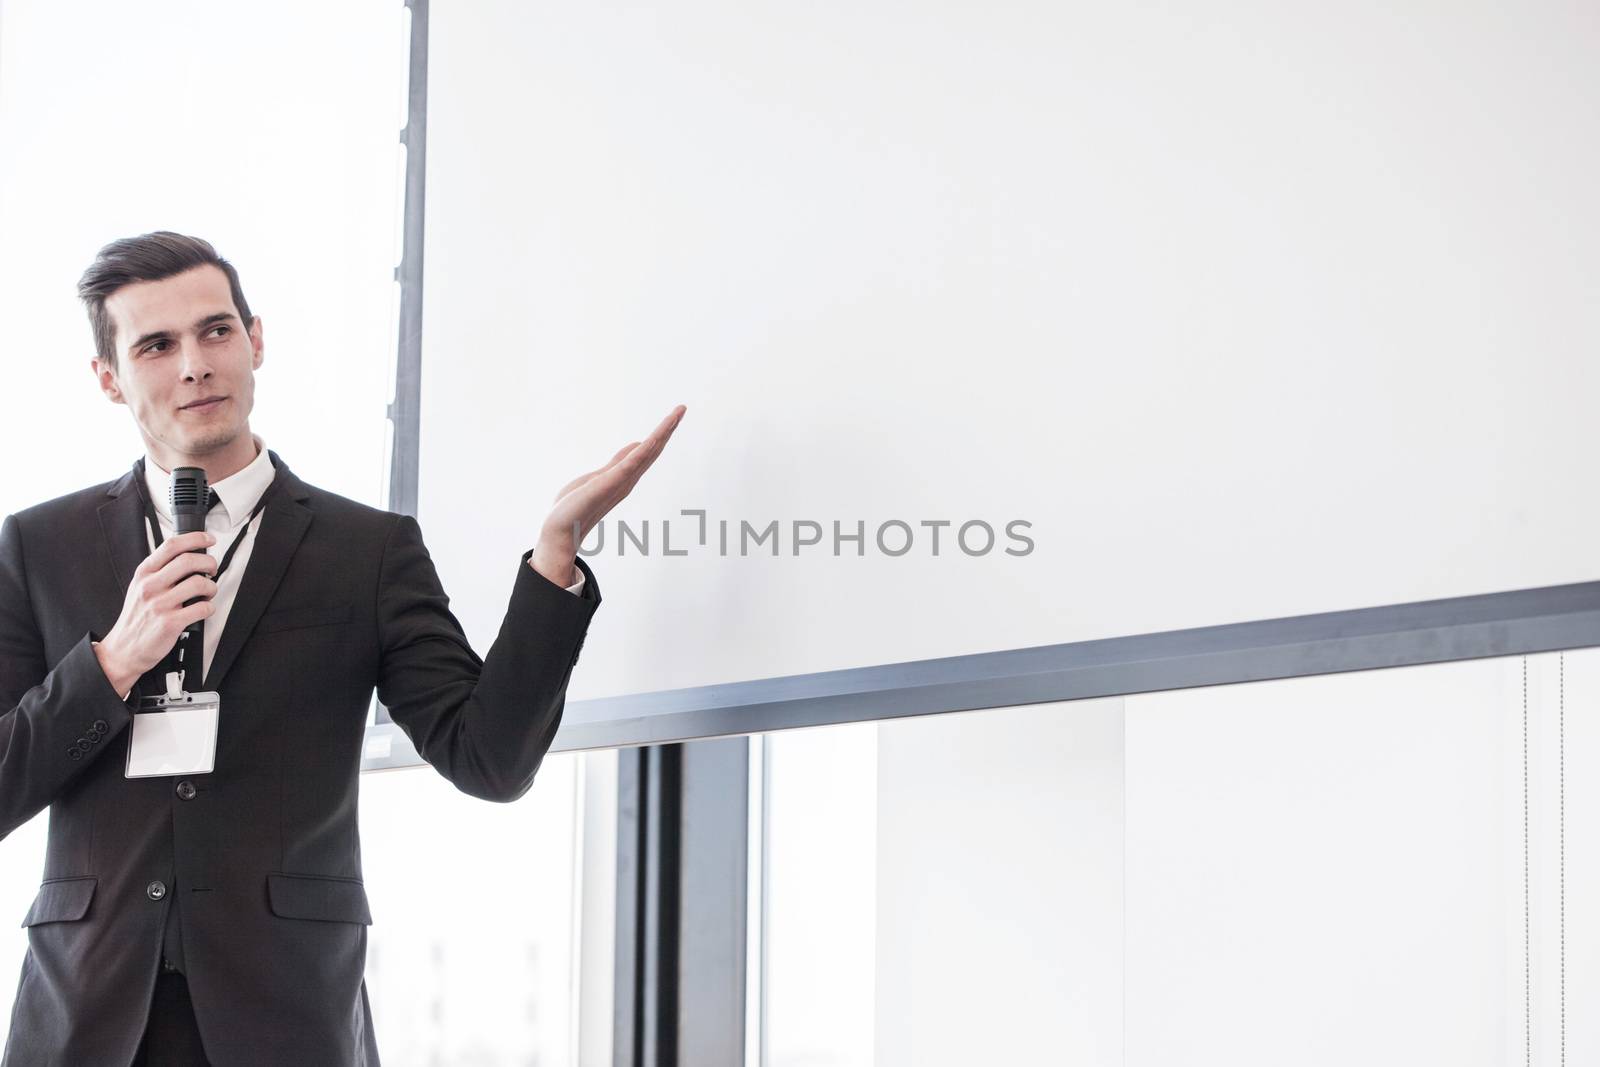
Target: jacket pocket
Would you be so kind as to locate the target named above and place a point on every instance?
(299, 618)
(61, 900)
(305, 896)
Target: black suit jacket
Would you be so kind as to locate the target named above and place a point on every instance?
(337, 598)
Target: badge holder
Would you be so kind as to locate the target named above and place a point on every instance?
(174, 733)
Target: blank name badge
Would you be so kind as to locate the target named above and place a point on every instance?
(174, 734)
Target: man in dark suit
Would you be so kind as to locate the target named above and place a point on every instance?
(220, 916)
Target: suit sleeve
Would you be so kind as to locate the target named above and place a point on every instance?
(53, 723)
(483, 724)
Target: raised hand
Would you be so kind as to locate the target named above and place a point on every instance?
(585, 500)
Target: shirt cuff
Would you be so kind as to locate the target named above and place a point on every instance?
(576, 588)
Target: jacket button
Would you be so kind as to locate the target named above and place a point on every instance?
(73, 753)
(101, 726)
(186, 789)
(155, 890)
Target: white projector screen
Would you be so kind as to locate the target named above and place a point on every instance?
(1249, 311)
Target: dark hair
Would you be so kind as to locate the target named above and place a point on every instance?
(150, 257)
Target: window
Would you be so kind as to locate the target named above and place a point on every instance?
(132, 118)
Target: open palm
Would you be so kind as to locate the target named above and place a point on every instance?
(585, 500)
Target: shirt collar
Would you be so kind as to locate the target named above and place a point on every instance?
(237, 494)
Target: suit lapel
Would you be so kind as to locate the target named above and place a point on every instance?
(122, 526)
(283, 524)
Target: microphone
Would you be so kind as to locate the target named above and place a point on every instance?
(190, 498)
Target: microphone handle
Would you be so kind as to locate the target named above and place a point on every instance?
(190, 493)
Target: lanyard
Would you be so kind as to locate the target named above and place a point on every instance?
(155, 527)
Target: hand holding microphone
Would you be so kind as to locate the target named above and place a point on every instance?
(170, 593)
(159, 606)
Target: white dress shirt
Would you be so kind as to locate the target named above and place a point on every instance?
(237, 496)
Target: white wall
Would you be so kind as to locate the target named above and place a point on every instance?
(270, 134)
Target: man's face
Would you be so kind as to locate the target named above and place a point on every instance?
(179, 341)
